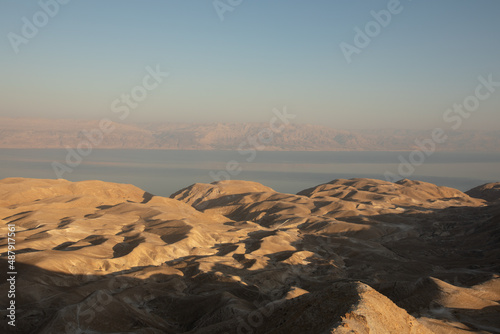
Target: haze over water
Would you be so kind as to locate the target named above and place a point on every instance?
(341, 64)
(163, 172)
(336, 110)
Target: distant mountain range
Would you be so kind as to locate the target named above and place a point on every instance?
(60, 133)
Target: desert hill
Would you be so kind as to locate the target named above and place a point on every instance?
(348, 256)
(60, 133)
(489, 192)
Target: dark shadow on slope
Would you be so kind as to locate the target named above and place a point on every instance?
(214, 302)
(128, 245)
(146, 197)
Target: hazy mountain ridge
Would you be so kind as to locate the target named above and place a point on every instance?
(43, 133)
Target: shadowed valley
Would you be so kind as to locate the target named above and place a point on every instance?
(348, 256)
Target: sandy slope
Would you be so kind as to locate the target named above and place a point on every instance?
(349, 256)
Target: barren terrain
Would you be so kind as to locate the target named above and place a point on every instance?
(348, 256)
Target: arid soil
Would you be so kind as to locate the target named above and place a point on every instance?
(349, 256)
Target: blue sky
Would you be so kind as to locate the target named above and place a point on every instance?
(264, 54)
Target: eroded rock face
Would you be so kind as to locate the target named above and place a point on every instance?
(348, 256)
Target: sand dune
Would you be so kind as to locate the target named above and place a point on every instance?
(348, 256)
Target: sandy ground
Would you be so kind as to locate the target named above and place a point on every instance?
(349, 256)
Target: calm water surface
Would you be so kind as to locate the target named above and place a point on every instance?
(163, 172)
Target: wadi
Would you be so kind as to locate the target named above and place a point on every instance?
(348, 256)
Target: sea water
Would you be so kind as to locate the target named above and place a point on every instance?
(163, 172)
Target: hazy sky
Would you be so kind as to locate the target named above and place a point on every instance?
(263, 54)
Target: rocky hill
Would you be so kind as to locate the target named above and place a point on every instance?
(348, 256)
(489, 192)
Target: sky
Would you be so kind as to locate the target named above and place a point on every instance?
(236, 60)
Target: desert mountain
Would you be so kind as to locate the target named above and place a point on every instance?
(348, 256)
(45, 133)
